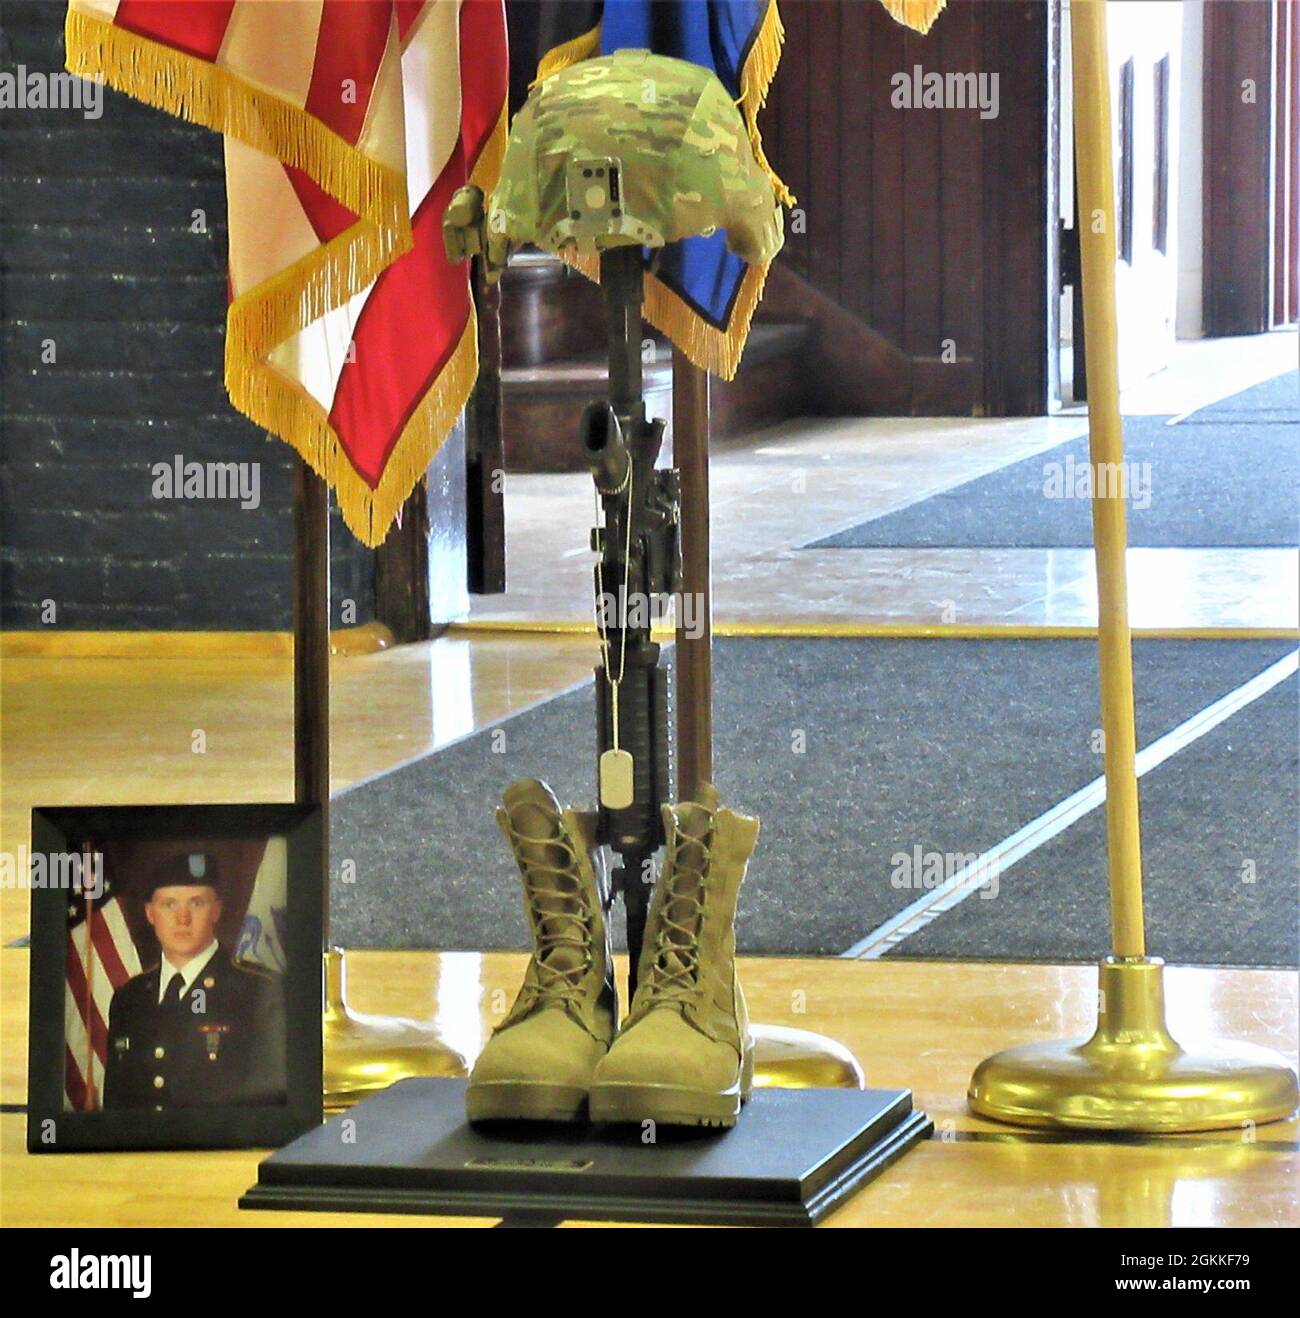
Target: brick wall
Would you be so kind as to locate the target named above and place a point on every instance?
(102, 270)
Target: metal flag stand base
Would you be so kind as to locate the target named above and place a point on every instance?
(364, 1053)
(788, 1058)
(1131, 1075)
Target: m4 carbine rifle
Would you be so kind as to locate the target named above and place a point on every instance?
(639, 565)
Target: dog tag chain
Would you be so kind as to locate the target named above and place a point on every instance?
(617, 785)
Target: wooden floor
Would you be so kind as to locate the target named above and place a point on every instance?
(920, 1025)
(119, 730)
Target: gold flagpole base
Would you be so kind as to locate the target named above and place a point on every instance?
(365, 1054)
(786, 1058)
(1131, 1075)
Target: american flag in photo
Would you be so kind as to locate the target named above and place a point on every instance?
(101, 957)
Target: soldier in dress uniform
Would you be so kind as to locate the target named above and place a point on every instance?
(198, 1029)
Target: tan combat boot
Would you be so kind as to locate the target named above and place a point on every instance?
(684, 1056)
(537, 1066)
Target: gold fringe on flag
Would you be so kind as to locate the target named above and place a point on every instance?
(919, 15)
(713, 350)
(566, 53)
(265, 316)
(278, 308)
(373, 511)
(755, 79)
(206, 94)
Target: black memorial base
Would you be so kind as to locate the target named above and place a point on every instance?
(795, 1155)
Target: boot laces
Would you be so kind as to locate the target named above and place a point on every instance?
(560, 916)
(675, 969)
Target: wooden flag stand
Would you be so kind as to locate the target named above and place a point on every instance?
(363, 1054)
(784, 1057)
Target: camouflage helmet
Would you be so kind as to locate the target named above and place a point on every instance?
(632, 149)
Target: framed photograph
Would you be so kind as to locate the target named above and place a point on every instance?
(176, 976)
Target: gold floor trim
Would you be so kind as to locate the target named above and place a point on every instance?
(899, 630)
(375, 636)
(56, 644)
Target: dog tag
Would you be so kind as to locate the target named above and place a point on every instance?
(616, 787)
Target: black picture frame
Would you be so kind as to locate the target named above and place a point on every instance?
(59, 830)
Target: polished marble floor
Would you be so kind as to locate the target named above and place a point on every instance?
(777, 490)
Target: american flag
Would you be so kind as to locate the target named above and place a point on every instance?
(101, 957)
(348, 125)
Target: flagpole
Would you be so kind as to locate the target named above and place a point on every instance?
(1131, 1074)
(694, 644)
(89, 1102)
(1096, 185)
(362, 1053)
(311, 655)
(784, 1057)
